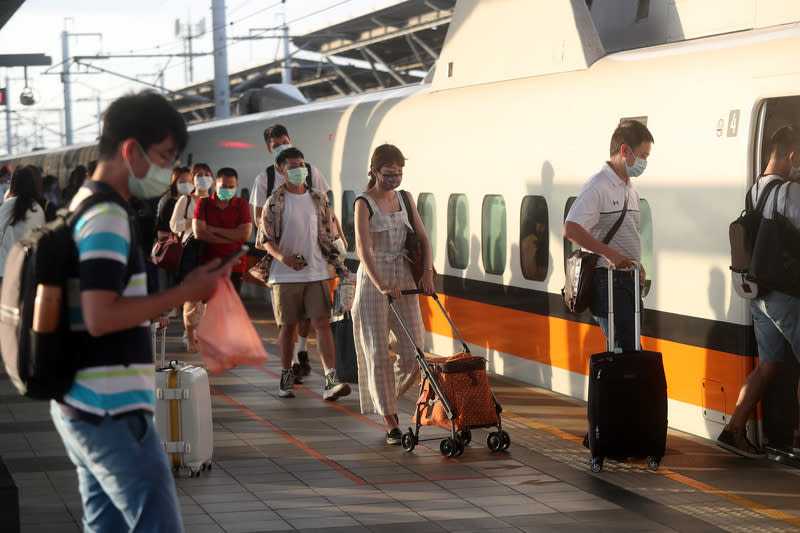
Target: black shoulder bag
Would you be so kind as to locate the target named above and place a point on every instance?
(577, 291)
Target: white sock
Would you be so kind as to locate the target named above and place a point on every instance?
(302, 344)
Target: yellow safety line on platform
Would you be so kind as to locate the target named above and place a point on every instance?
(675, 476)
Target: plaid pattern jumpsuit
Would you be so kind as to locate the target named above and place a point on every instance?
(387, 366)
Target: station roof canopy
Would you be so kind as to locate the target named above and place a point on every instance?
(8, 8)
(389, 47)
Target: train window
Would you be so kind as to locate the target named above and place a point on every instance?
(349, 219)
(493, 234)
(646, 231)
(458, 231)
(534, 238)
(569, 246)
(773, 114)
(426, 205)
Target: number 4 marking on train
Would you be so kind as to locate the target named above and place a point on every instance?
(733, 123)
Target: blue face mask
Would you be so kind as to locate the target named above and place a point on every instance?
(226, 194)
(204, 182)
(278, 149)
(638, 166)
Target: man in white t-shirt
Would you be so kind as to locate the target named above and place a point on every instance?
(276, 138)
(776, 314)
(599, 205)
(296, 230)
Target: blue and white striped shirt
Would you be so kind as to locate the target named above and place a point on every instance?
(116, 372)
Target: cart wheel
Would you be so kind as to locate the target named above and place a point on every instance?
(505, 440)
(448, 447)
(209, 466)
(464, 435)
(408, 441)
(494, 441)
(653, 463)
(459, 448)
(596, 464)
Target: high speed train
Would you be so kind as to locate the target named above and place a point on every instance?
(500, 143)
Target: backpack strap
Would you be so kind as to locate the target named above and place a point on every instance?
(270, 179)
(98, 198)
(762, 196)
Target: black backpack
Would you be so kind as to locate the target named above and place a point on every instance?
(43, 365)
(742, 233)
(271, 178)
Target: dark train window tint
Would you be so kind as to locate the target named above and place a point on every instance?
(330, 199)
(426, 205)
(569, 247)
(534, 238)
(458, 231)
(493, 234)
(348, 219)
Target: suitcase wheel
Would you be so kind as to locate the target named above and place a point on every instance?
(464, 435)
(451, 447)
(653, 463)
(408, 441)
(495, 441)
(506, 440)
(596, 464)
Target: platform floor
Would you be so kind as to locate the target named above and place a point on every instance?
(303, 464)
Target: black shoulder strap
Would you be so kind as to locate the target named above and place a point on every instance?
(270, 179)
(762, 197)
(406, 195)
(98, 198)
(618, 223)
(308, 176)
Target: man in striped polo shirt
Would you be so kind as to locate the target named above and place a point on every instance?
(596, 209)
(106, 418)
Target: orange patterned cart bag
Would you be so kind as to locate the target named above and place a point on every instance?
(463, 380)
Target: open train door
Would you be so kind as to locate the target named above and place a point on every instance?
(779, 403)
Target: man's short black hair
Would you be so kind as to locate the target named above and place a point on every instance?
(289, 153)
(275, 131)
(147, 117)
(785, 139)
(227, 172)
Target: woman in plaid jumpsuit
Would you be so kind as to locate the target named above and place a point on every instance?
(381, 225)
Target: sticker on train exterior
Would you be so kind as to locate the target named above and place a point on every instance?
(733, 123)
(720, 127)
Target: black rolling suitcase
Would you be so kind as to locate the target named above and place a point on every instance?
(344, 342)
(627, 405)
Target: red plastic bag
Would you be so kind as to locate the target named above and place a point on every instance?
(226, 335)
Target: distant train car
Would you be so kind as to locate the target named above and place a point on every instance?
(495, 165)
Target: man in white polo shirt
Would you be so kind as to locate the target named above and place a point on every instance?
(597, 208)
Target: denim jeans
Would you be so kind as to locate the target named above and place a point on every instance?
(123, 474)
(624, 307)
(776, 316)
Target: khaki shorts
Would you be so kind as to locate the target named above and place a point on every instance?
(293, 303)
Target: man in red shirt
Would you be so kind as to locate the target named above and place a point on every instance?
(223, 222)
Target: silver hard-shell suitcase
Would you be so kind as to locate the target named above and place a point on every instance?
(183, 412)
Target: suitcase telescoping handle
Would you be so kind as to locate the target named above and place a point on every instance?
(637, 296)
(444, 312)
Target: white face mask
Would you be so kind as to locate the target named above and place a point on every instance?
(153, 184)
(638, 166)
(185, 188)
(278, 149)
(204, 182)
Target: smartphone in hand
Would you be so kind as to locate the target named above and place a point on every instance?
(233, 256)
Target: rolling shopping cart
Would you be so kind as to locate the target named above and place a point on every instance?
(455, 395)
